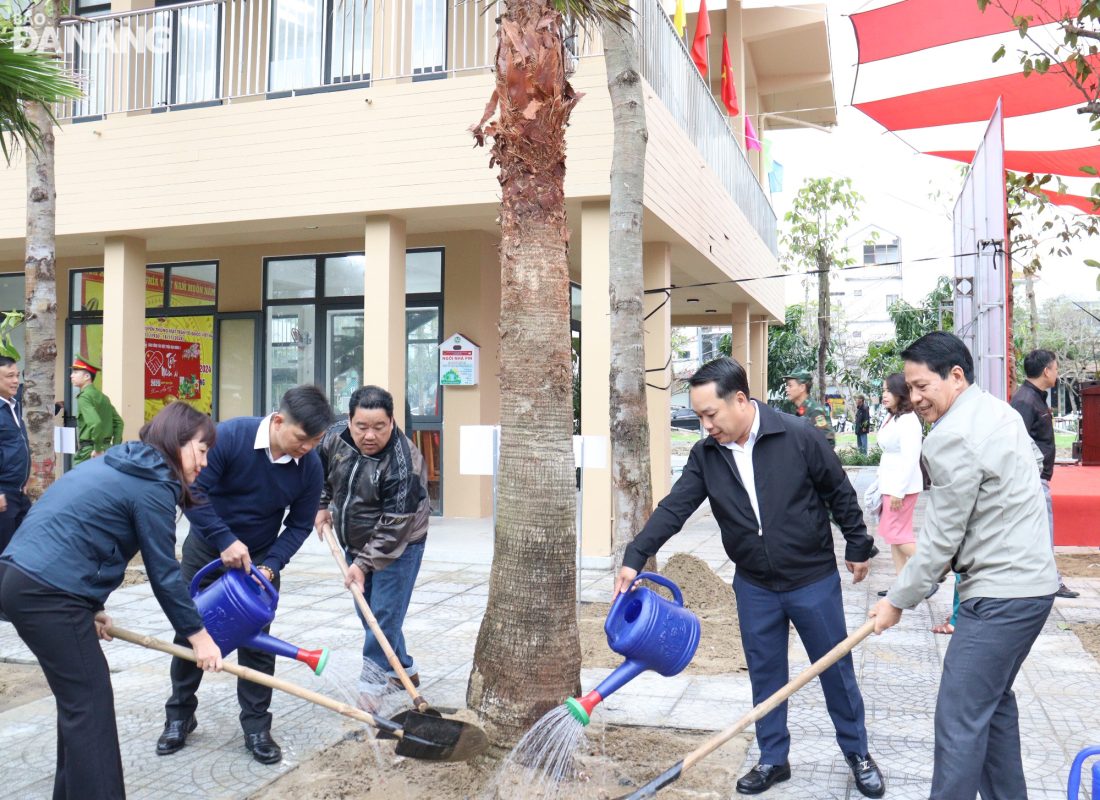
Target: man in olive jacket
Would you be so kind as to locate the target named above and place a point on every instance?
(772, 481)
(98, 425)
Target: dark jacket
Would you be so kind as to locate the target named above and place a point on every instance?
(799, 481)
(15, 451)
(863, 420)
(84, 530)
(379, 503)
(1031, 403)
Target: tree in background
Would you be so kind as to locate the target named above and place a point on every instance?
(30, 83)
(631, 483)
(1072, 332)
(527, 657)
(823, 209)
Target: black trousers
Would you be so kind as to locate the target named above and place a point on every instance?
(254, 699)
(12, 516)
(59, 629)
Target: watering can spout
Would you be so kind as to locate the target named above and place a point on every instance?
(314, 659)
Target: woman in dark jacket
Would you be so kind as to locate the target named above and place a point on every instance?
(71, 552)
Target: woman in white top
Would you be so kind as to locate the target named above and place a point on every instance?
(899, 473)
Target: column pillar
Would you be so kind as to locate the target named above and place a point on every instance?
(657, 271)
(595, 374)
(758, 378)
(739, 336)
(123, 325)
(384, 308)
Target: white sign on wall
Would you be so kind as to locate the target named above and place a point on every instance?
(458, 361)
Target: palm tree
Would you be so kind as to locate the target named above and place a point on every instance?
(527, 658)
(30, 82)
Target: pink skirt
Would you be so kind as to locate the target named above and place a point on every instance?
(896, 527)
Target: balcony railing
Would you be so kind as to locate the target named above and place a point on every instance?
(219, 51)
(667, 66)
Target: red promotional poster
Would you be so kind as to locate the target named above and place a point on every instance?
(172, 369)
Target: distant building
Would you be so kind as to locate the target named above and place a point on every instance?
(862, 297)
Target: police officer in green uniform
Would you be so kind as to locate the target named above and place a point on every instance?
(98, 425)
(800, 403)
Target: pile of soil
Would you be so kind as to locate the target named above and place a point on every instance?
(709, 596)
(1089, 634)
(615, 760)
(1079, 565)
(21, 683)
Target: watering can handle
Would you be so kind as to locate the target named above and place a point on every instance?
(202, 573)
(213, 565)
(661, 579)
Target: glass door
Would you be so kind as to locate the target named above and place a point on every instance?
(343, 356)
(424, 412)
(290, 359)
(237, 377)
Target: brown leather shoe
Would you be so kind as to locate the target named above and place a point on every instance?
(414, 679)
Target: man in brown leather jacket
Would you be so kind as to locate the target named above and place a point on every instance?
(376, 498)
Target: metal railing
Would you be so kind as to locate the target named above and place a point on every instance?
(216, 51)
(667, 66)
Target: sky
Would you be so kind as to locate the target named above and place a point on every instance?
(897, 184)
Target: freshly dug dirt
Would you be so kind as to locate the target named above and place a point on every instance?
(615, 760)
(20, 683)
(1089, 634)
(710, 597)
(1079, 565)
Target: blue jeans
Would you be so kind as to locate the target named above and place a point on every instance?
(861, 442)
(817, 612)
(388, 594)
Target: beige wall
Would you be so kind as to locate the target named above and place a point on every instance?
(471, 307)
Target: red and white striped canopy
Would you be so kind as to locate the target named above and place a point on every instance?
(926, 72)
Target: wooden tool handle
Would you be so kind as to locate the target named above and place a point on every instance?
(249, 674)
(364, 608)
(842, 649)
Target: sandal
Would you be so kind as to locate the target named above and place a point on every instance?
(944, 627)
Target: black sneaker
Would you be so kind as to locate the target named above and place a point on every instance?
(1066, 592)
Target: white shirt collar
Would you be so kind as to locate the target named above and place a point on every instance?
(263, 442)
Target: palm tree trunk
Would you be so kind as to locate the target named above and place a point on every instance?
(824, 327)
(527, 657)
(1032, 309)
(632, 485)
(40, 330)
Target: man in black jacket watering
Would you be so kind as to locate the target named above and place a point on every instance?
(772, 482)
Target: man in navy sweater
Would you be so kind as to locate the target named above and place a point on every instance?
(261, 470)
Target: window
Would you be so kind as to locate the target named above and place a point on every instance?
(313, 311)
(858, 293)
(857, 334)
(882, 253)
(429, 38)
(188, 70)
(12, 286)
(890, 300)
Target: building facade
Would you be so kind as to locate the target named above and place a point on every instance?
(259, 193)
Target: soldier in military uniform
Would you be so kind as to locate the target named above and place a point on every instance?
(98, 425)
(801, 404)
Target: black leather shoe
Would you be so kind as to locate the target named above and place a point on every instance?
(175, 735)
(866, 772)
(761, 777)
(263, 747)
(1066, 592)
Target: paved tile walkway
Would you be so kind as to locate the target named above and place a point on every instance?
(898, 672)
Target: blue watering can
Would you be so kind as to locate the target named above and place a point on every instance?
(1074, 791)
(236, 609)
(652, 632)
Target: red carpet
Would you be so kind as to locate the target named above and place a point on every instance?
(1076, 492)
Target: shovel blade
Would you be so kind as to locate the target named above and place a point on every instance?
(434, 738)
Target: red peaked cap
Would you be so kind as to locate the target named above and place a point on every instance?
(80, 363)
